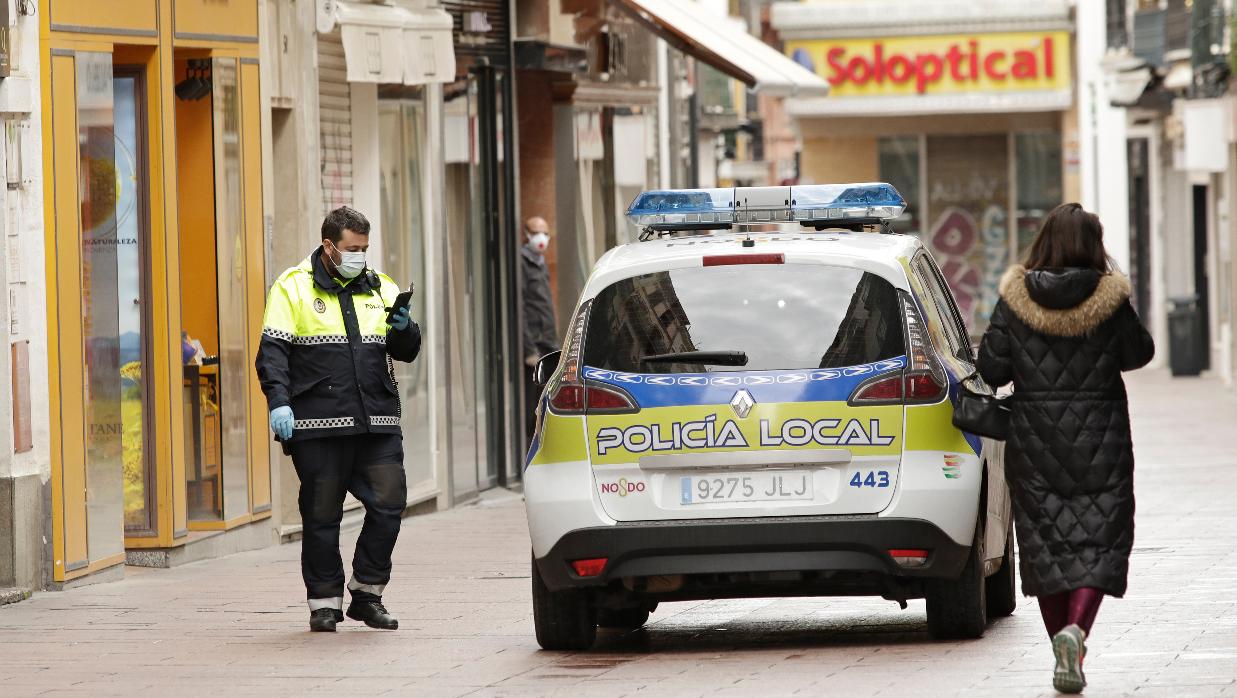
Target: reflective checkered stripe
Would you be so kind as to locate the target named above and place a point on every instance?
(321, 339)
(278, 334)
(332, 423)
(374, 339)
(384, 421)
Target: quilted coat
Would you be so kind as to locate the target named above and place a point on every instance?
(1063, 337)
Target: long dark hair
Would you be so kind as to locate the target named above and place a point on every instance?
(1069, 237)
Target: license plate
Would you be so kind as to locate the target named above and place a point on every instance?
(746, 487)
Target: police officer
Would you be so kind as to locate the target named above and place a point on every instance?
(324, 363)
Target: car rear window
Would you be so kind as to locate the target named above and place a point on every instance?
(782, 316)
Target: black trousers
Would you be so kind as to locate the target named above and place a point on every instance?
(371, 467)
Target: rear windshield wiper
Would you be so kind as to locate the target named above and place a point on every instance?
(717, 358)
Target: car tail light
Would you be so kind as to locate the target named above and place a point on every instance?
(571, 394)
(909, 557)
(899, 387)
(567, 390)
(568, 398)
(720, 260)
(888, 389)
(591, 397)
(923, 387)
(590, 567)
(925, 377)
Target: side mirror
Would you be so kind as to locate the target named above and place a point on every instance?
(545, 368)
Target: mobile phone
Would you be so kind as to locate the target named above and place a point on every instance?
(401, 301)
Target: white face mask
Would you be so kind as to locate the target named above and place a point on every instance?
(538, 241)
(350, 264)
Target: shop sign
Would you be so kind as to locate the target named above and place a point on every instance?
(919, 65)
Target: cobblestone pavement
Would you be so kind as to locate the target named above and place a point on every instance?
(237, 625)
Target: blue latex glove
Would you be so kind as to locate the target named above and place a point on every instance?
(282, 422)
(400, 320)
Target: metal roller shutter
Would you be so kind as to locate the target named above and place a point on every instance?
(335, 122)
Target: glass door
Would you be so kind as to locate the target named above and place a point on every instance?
(114, 221)
(131, 232)
(465, 301)
(401, 123)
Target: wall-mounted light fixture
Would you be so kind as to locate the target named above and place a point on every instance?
(196, 84)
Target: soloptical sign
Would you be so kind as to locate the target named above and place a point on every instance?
(927, 65)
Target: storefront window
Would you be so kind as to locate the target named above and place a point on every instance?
(109, 293)
(234, 368)
(899, 165)
(130, 264)
(1038, 167)
(468, 308)
(401, 123)
(968, 197)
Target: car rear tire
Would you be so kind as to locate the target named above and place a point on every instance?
(1002, 586)
(958, 608)
(626, 618)
(564, 620)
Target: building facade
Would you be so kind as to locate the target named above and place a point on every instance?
(409, 129)
(25, 468)
(152, 151)
(970, 112)
(1163, 70)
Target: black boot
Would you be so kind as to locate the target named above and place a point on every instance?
(323, 620)
(372, 613)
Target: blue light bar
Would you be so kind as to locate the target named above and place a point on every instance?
(683, 209)
(810, 205)
(825, 203)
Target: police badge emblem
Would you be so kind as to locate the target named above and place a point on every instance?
(319, 305)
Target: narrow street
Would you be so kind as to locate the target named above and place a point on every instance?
(237, 625)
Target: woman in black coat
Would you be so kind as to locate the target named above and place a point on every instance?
(1062, 332)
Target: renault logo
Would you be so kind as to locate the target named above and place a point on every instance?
(742, 403)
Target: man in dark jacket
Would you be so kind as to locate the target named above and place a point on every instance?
(540, 335)
(324, 367)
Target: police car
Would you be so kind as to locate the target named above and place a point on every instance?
(756, 400)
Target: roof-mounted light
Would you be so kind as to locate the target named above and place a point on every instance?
(832, 203)
(683, 209)
(813, 205)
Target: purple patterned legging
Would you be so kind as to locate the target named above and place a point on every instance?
(1077, 607)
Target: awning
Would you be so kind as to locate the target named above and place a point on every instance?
(394, 45)
(686, 25)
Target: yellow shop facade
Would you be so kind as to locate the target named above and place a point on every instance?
(152, 154)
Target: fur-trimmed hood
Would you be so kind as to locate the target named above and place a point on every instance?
(1111, 291)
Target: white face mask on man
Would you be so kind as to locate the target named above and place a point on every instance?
(350, 264)
(538, 242)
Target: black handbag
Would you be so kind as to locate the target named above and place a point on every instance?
(980, 413)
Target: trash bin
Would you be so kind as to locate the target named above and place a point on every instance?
(1186, 347)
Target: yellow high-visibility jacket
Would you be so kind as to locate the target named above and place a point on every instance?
(324, 351)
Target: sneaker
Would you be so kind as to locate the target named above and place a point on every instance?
(323, 620)
(1068, 648)
(373, 614)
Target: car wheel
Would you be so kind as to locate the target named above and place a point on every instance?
(1002, 586)
(564, 620)
(626, 618)
(957, 609)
